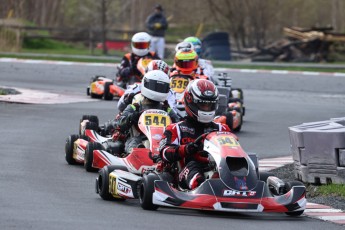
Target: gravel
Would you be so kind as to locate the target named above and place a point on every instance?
(313, 196)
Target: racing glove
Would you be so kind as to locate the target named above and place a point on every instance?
(157, 25)
(125, 72)
(134, 117)
(193, 148)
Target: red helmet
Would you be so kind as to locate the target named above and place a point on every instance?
(201, 100)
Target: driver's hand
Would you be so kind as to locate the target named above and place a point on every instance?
(134, 117)
(193, 148)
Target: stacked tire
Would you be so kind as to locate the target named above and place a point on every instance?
(216, 46)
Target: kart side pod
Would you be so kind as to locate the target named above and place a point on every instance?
(123, 184)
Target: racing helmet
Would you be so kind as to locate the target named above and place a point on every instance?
(141, 43)
(158, 65)
(196, 43)
(184, 45)
(201, 100)
(186, 61)
(155, 85)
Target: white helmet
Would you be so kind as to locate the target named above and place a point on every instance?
(184, 45)
(141, 43)
(158, 65)
(155, 85)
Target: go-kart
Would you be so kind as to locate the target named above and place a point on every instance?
(79, 147)
(103, 87)
(229, 110)
(119, 178)
(233, 184)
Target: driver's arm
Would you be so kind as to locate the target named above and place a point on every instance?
(128, 117)
(170, 148)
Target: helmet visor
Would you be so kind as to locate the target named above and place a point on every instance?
(157, 86)
(186, 64)
(206, 106)
(141, 45)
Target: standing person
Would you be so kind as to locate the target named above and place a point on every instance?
(156, 25)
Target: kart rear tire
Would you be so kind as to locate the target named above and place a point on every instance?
(92, 126)
(88, 158)
(288, 186)
(108, 96)
(146, 191)
(103, 182)
(229, 120)
(91, 118)
(69, 149)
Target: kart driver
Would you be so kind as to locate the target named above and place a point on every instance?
(177, 144)
(134, 89)
(154, 91)
(140, 48)
(205, 66)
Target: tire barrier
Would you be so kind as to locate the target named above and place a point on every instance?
(318, 151)
(216, 46)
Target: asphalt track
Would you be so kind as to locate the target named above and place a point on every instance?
(39, 190)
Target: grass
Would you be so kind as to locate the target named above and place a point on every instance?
(48, 49)
(332, 189)
(290, 68)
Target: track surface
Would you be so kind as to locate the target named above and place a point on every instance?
(38, 190)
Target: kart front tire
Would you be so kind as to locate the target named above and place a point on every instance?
(103, 182)
(288, 186)
(146, 191)
(88, 158)
(69, 149)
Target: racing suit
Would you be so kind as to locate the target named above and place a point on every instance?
(128, 120)
(173, 148)
(134, 89)
(128, 66)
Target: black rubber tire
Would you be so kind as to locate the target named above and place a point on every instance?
(91, 118)
(264, 175)
(88, 91)
(288, 186)
(96, 96)
(107, 95)
(237, 129)
(146, 191)
(88, 158)
(229, 120)
(103, 181)
(92, 126)
(69, 149)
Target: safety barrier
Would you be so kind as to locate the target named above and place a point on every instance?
(318, 150)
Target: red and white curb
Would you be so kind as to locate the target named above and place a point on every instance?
(273, 163)
(316, 211)
(28, 96)
(335, 74)
(326, 213)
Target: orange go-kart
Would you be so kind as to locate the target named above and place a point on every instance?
(106, 88)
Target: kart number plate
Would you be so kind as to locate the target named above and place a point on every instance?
(156, 120)
(228, 141)
(145, 62)
(178, 84)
